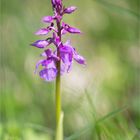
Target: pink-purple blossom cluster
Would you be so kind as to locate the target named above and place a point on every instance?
(63, 52)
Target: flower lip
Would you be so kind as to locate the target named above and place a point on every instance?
(48, 74)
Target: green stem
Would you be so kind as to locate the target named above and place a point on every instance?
(58, 80)
(58, 95)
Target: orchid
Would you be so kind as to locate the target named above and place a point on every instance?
(67, 53)
(57, 61)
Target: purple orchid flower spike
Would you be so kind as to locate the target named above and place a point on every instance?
(57, 61)
(63, 53)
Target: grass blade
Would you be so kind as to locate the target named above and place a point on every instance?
(78, 134)
(119, 8)
(112, 114)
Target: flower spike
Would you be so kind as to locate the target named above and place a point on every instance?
(64, 53)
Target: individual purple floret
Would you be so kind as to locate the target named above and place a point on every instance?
(41, 43)
(70, 9)
(49, 71)
(64, 53)
(48, 19)
(43, 31)
(70, 29)
(68, 53)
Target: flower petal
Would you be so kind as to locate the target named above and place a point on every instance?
(48, 52)
(66, 58)
(48, 19)
(65, 49)
(65, 68)
(43, 31)
(80, 59)
(68, 43)
(37, 64)
(41, 43)
(48, 74)
(53, 3)
(63, 32)
(70, 29)
(56, 39)
(51, 64)
(74, 30)
(62, 68)
(56, 3)
(66, 55)
(70, 10)
(43, 54)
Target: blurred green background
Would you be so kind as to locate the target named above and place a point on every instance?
(101, 101)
